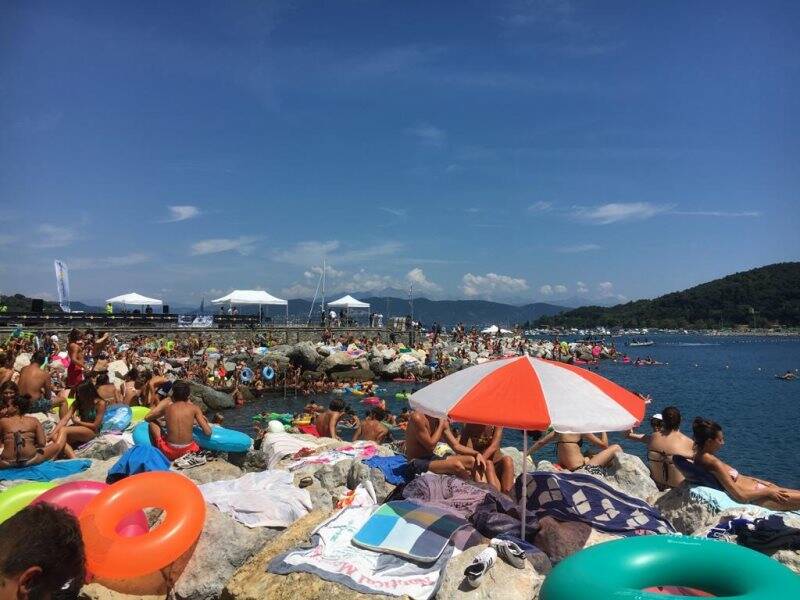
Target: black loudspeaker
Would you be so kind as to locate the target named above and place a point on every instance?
(37, 305)
(165, 309)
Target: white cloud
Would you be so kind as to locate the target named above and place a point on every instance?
(242, 245)
(549, 290)
(181, 213)
(491, 285)
(582, 288)
(615, 212)
(107, 262)
(546, 290)
(540, 207)
(421, 283)
(429, 135)
(308, 253)
(397, 212)
(560, 289)
(52, 236)
(605, 290)
(298, 290)
(578, 248)
(330, 273)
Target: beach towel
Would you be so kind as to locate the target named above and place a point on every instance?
(47, 471)
(139, 459)
(277, 446)
(333, 557)
(393, 468)
(263, 499)
(720, 500)
(585, 498)
(358, 450)
(414, 531)
(694, 473)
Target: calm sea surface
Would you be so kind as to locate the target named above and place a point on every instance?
(728, 379)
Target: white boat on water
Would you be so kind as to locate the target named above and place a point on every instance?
(641, 343)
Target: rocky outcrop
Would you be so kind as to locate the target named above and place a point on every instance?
(213, 470)
(501, 581)
(223, 547)
(305, 355)
(629, 474)
(210, 397)
(339, 361)
(354, 374)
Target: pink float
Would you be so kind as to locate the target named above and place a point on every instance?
(75, 495)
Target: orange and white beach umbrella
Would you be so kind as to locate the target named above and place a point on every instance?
(531, 394)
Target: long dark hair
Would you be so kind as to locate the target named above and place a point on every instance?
(671, 419)
(85, 396)
(704, 430)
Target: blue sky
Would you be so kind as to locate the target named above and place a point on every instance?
(514, 151)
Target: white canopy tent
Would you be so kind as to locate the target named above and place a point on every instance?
(347, 302)
(494, 329)
(134, 299)
(259, 297)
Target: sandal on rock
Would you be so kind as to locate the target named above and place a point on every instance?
(480, 566)
(509, 552)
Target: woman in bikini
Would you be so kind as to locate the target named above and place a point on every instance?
(24, 440)
(105, 389)
(570, 454)
(708, 439)
(486, 439)
(86, 414)
(665, 442)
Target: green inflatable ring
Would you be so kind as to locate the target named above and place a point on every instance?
(18, 497)
(623, 568)
(139, 413)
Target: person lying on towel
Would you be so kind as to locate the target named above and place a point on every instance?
(179, 415)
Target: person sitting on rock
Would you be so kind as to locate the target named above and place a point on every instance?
(24, 441)
(422, 436)
(180, 416)
(570, 454)
(665, 442)
(708, 440)
(486, 439)
(41, 554)
(372, 428)
(325, 422)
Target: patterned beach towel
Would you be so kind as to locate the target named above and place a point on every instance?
(411, 530)
(585, 498)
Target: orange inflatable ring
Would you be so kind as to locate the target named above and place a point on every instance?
(108, 554)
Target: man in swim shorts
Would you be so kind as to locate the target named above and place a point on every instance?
(422, 435)
(180, 416)
(35, 383)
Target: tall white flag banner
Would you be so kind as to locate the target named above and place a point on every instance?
(62, 282)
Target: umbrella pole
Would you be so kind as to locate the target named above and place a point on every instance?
(524, 481)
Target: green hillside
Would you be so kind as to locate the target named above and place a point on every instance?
(765, 296)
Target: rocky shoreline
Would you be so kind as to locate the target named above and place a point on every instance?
(229, 560)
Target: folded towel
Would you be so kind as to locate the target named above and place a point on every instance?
(392, 467)
(47, 471)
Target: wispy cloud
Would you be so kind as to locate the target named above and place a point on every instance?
(581, 288)
(491, 285)
(429, 135)
(551, 290)
(578, 248)
(107, 262)
(397, 212)
(181, 213)
(242, 245)
(616, 212)
(53, 236)
(309, 253)
(716, 213)
(605, 290)
(540, 207)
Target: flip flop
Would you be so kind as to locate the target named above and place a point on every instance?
(509, 552)
(480, 565)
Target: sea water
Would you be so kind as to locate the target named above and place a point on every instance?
(729, 379)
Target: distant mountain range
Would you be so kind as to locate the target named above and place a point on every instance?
(764, 296)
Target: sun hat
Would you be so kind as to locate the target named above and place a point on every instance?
(657, 417)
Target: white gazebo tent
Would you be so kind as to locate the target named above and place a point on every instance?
(347, 302)
(259, 297)
(134, 299)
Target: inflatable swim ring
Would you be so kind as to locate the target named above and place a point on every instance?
(222, 439)
(246, 376)
(138, 413)
(338, 391)
(630, 565)
(109, 554)
(285, 418)
(402, 395)
(75, 495)
(18, 497)
(117, 418)
(141, 434)
(268, 373)
(372, 401)
(359, 392)
(169, 346)
(302, 421)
